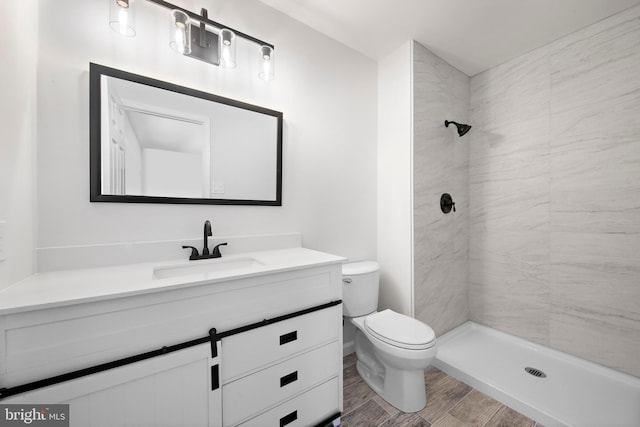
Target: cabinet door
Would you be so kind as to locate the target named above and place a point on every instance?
(171, 390)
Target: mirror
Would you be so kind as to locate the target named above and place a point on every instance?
(156, 142)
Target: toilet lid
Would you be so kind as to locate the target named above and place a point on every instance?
(400, 330)
(360, 267)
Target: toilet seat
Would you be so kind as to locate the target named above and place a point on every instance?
(399, 330)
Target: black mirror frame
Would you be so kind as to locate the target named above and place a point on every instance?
(95, 71)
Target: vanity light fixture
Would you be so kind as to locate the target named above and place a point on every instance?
(196, 36)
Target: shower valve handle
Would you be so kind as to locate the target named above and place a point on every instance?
(447, 203)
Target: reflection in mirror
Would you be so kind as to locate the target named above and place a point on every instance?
(161, 143)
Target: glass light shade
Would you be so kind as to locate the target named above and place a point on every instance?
(268, 64)
(122, 18)
(227, 48)
(180, 32)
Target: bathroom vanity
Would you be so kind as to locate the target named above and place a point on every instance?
(252, 339)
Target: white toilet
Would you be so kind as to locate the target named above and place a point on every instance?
(392, 349)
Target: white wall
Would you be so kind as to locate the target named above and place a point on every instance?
(326, 91)
(17, 139)
(395, 211)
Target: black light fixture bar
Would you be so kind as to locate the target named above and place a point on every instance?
(208, 21)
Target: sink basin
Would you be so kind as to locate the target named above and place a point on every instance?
(206, 267)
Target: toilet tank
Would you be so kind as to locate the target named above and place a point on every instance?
(360, 283)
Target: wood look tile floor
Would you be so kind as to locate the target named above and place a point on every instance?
(450, 403)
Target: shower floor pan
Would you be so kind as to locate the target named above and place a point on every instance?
(558, 390)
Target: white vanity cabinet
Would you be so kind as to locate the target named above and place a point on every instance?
(276, 358)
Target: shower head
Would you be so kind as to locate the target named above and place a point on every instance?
(462, 129)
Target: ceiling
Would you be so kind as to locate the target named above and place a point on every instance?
(472, 35)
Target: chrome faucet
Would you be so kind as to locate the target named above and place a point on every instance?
(215, 253)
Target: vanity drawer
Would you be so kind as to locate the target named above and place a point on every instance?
(305, 410)
(257, 348)
(278, 383)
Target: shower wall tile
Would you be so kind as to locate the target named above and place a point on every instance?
(595, 108)
(441, 165)
(443, 300)
(554, 178)
(514, 306)
(509, 197)
(509, 281)
(511, 92)
(608, 286)
(595, 193)
(565, 246)
(597, 63)
(519, 249)
(517, 204)
(594, 312)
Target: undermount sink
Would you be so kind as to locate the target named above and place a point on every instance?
(213, 266)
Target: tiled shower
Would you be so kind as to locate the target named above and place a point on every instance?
(544, 244)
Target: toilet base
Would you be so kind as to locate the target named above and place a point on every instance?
(404, 389)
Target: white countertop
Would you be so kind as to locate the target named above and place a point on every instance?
(61, 288)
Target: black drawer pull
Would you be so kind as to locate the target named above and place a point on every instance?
(291, 336)
(288, 379)
(288, 419)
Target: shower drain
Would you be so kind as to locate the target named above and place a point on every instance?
(535, 372)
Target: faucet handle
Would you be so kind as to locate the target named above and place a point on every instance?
(194, 252)
(216, 251)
